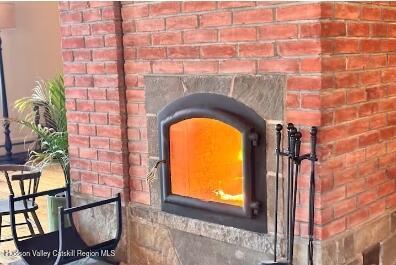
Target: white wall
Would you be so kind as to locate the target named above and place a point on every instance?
(32, 51)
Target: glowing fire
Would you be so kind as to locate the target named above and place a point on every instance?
(206, 161)
(229, 197)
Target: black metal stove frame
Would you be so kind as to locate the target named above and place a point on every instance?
(253, 215)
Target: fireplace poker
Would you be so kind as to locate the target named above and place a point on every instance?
(296, 164)
(313, 159)
(278, 151)
(289, 164)
(290, 229)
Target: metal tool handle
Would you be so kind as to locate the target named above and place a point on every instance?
(278, 129)
(293, 132)
(298, 136)
(290, 126)
(314, 132)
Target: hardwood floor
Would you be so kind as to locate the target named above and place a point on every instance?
(52, 177)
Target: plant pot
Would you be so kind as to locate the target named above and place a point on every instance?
(53, 203)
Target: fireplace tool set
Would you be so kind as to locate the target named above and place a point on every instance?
(294, 160)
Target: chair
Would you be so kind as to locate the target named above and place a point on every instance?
(64, 245)
(28, 179)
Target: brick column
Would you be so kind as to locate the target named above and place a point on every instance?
(95, 94)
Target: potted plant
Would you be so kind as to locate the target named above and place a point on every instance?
(45, 116)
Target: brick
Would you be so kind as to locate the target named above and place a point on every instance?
(71, 17)
(181, 22)
(333, 29)
(389, 14)
(346, 11)
(134, 11)
(252, 16)
(304, 117)
(151, 24)
(296, 12)
(311, 64)
(218, 51)
(137, 40)
(105, 54)
(105, 28)
(79, 140)
(311, 101)
(358, 29)
(378, 29)
(76, 93)
(303, 47)
(164, 8)
(278, 31)
(256, 50)
(165, 38)
(386, 188)
(375, 92)
(111, 180)
(89, 177)
(237, 34)
(333, 64)
(278, 65)
(167, 67)
(72, 43)
(92, 15)
(235, 4)
(198, 6)
(85, 105)
(88, 153)
(369, 138)
(377, 208)
(200, 67)
(303, 83)
(346, 114)
(370, 77)
(237, 66)
(343, 80)
(80, 30)
(137, 67)
(215, 19)
(344, 207)
(337, 194)
(333, 228)
(151, 53)
(371, 13)
(370, 45)
(310, 30)
(99, 142)
(346, 46)
(389, 75)
(357, 217)
(183, 52)
(200, 36)
(388, 45)
(94, 42)
(356, 95)
(77, 117)
(293, 100)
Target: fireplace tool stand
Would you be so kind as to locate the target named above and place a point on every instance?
(294, 160)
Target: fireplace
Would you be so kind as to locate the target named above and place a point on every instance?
(214, 152)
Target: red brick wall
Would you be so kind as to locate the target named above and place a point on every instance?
(340, 75)
(95, 92)
(358, 169)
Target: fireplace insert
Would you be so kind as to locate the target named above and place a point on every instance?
(214, 152)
